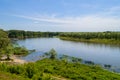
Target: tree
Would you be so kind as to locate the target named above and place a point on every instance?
(9, 51)
(52, 54)
(4, 41)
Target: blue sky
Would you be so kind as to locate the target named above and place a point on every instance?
(60, 15)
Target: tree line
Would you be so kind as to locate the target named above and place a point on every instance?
(79, 35)
(29, 34)
(92, 35)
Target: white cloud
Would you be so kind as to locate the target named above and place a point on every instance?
(88, 23)
(46, 19)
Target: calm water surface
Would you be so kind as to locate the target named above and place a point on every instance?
(98, 53)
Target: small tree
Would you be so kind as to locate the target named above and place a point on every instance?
(9, 50)
(52, 54)
(4, 42)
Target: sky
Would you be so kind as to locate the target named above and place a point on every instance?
(60, 15)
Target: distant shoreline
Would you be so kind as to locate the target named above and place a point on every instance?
(101, 41)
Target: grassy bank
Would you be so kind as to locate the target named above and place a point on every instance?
(101, 41)
(48, 69)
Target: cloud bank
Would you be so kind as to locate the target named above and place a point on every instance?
(95, 23)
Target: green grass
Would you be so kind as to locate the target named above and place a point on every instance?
(48, 69)
(76, 71)
(9, 76)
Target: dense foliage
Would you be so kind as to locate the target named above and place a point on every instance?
(4, 43)
(7, 48)
(4, 40)
(52, 54)
(80, 35)
(29, 34)
(92, 35)
(9, 76)
(96, 37)
(49, 69)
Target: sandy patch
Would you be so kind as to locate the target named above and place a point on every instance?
(18, 60)
(15, 59)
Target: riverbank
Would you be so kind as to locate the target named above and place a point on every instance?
(15, 59)
(101, 41)
(49, 69)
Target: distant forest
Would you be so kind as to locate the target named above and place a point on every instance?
(92, 35)
(30, 34)
(78, 35)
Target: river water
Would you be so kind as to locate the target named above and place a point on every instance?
(98, 53)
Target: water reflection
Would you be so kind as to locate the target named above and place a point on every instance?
(96, 44)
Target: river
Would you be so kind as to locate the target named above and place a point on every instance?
(98, 53)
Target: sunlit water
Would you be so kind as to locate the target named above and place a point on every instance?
(98, 53)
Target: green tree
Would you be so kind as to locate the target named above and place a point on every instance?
(52, 54)
(4, 41)
(9, 51)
